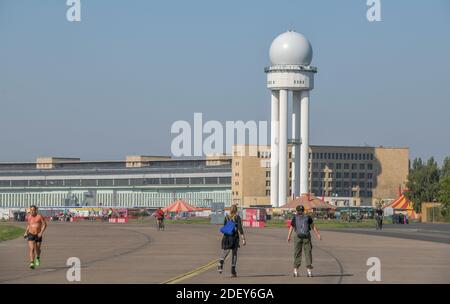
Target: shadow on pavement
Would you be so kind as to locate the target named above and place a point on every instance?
(331, 275)
(53, 268)
(264, 275)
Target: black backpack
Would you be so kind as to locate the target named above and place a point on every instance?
(302, 226)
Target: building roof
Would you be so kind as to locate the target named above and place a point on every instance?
(113, 167)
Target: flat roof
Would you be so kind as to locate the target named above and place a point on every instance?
(359, 147)
(331, 146)
(113, 167)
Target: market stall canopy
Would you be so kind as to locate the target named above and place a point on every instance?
(309, 202)
(179, 206)
(403, 203)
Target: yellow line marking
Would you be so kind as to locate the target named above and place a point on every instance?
(191, 273)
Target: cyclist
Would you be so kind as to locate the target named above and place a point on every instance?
(379, 218)
(159, 214)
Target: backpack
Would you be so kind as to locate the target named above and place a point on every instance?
(229, 227)
(302, 226)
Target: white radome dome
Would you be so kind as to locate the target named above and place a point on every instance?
(291, 48)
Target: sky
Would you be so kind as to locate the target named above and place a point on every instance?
(114, 83)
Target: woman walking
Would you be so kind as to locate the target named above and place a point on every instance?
(231, 242)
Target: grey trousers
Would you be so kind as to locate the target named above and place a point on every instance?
(225, 253)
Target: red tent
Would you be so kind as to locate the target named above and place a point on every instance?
(179, 206)
(404, 204)
(310, 203)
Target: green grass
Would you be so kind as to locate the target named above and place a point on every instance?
(323, 224)
(9, 232)
(192, 220)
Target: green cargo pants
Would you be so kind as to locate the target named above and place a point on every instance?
(304, 245)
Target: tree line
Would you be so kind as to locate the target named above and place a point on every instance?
(429, 183)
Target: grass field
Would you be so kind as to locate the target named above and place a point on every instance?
(192, 220)
(9, 232)
(321, 224)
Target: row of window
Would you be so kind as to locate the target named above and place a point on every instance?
(337, 166)
(342, 156)
(116, 182)
(361, 185)
(333, 175)
(343, 193)
(340, 166)
(269, 82)
(265, 154)
(333, 184)
(327, 155)
(338, 175)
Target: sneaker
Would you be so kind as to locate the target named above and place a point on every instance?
(295, 273)
(233, 272)
(31, 265)
(309, 272)
(37, 261)
(220, 267)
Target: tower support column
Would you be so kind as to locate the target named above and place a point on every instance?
(304, 147)
(274, 149)
(295, 184)
(283, 165)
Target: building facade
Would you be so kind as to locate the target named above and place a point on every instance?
(136, 182)
(344, 176)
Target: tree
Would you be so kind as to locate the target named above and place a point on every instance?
(444, 191)
(444, 184)
(423, 182)
(445, 171)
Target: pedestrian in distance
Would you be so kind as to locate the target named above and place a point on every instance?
(379, 214)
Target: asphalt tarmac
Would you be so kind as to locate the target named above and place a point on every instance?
(188, 253)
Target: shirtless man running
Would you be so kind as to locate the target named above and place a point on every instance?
(35, 230)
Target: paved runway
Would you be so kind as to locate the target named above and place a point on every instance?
(137, 253)
(416, 231)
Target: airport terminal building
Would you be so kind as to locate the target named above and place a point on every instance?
(139, 181)
(343, 175)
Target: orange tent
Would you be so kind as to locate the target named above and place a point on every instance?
(402, 203)
(309, 202)
(179, 206)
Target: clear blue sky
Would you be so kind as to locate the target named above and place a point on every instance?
(113, 84)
